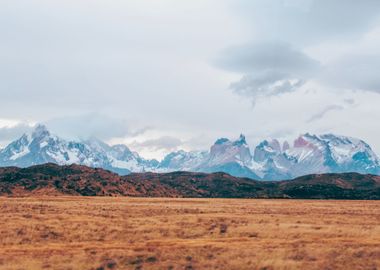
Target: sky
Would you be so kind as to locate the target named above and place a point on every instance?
(165, 75)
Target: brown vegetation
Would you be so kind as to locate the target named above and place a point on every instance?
(156, 233)
(51, 179)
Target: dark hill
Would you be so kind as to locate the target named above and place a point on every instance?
(52, 179)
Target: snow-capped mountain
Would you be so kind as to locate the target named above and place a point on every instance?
(233, 157)
(271, 160)
(182, 161)
(41, 147)
(315, 154)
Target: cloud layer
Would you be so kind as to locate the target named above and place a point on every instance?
(270, 68)
(175, 74)
(281, 58)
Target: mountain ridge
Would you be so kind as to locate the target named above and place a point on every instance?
(270, 159)
(78, 180)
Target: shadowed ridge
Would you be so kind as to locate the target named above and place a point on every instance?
(52, 179)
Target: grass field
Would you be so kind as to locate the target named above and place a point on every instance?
(144, 233)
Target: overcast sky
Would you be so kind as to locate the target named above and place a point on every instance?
(167, 75)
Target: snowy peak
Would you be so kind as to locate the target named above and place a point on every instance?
(97, 145)
(41, 147)
(226, 151)
(222, 141)
(183, 161)
(40, 132)
(351, 152)
(285, 146)
(332, 153)
(271, 160)
(314, 154)
(340, 148)
(240, 141)
(267, 149)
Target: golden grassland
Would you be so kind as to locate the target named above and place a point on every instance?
(158, 233)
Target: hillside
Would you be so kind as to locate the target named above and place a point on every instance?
(52, 179)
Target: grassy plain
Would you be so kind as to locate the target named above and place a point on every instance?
(158, 233)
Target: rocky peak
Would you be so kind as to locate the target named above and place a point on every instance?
(302, 141)
(241, 140)
(266, 150)
(40, 132)
(275, 144)
(221, 141)
(285, 146)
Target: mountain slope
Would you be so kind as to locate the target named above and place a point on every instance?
(52, 179)
(42, 147)
(233, 157)
(270, 160)
(317, 154)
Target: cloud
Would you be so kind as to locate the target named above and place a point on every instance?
(166, 143)
(271, 68)
(266, 84)
(306, 22)
(349, 101)
(325, 111)
(289, 28)
(354, 72)
(149, 62)
(269, 55)
(93, 124)
(9, 133)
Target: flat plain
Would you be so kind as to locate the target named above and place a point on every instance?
(158, 233)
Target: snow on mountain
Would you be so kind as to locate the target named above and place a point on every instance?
(273, 164)
(271, 160)
(226, 151)
(182, 161)
(41, 147)
(233, 157)
(317, 154)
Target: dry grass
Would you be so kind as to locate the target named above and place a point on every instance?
(134, 233)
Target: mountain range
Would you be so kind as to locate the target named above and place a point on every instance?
(51, 179)
(270, 160)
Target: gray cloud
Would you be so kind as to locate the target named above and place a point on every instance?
(325, 111)
(166, 143)
(10, 133)
(149, 62)
(271, 68)
(267, 84)
(289, 28)
(270, 55)
(306, 22)
(87, 125)
(349, 101)
(355, 72)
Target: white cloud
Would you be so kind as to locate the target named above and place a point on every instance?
(324, 111)
(146, 68)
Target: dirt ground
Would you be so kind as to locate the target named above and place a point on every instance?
(156, 233)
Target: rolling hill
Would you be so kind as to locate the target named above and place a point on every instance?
(52, 179)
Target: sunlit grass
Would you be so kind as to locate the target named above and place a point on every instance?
(142, 233)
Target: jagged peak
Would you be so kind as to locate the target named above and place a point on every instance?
(275, 144)
(263, 143)
(285, 146)
(307, 135)
(221, 141)
(241, 140)
(94, 142)
(121, 148)
(40, 131)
